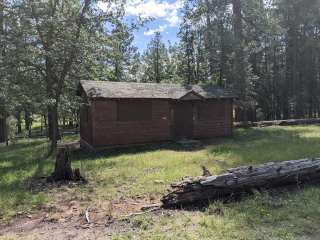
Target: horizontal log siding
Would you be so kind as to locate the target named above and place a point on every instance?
(108, 131)
(220, 125)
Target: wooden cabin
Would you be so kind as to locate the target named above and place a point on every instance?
(127, 113)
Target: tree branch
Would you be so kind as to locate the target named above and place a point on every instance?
(73, 52)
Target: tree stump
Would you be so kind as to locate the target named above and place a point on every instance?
(62, 169)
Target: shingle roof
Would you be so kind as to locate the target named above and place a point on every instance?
(107, 89)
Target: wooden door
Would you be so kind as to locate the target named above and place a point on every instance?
(183, 120)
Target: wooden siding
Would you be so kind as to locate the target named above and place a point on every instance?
(107, 130)
(86, 114)
(103, 127)
(216, 125)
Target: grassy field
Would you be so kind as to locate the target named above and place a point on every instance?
(146, 173)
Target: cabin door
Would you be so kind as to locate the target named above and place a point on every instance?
(183, 120)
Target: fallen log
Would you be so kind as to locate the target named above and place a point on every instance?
(243, 179)
(287, 122)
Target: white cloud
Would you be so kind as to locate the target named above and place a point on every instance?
(153, 31)
(158, 9)
(173, 18)
(152, 8)
(110, 7)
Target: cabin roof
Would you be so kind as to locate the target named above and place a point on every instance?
(107, 89)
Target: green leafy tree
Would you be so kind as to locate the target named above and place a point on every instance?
(55, 39)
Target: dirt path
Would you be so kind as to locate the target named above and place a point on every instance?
(40, 226)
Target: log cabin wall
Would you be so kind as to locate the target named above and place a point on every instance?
(112, 127)
(119, 122)
(213, 118)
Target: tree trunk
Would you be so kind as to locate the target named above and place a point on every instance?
(62, 170)
(53, 126)
(209, 41)
(27, 120)
(64, 122)
(238, 42)
(242, 179)
(19, 127)
(6, 135)
(46, 125)
(239, 60)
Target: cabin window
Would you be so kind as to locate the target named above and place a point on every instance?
(134, 110)
(210, 110)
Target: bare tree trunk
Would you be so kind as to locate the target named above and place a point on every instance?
(209, 39)
(239, 68)
(46, 125)
(53, 126)
(18, 117)
(223, 47)
(64, 122)
(28, 122)
(6, 135)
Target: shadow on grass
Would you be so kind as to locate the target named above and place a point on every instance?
(19, 163)
(140, 149)
(23, 156)
(246, 147)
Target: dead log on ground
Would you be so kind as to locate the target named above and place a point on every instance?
(243, 179)
(288, 122)
(299, 122)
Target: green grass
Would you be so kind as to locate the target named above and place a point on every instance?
(20, 163)
(149, 171)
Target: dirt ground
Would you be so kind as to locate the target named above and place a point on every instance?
(69, 221)
(41, 226)
(67, 217)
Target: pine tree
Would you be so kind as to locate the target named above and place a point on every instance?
(155, 60)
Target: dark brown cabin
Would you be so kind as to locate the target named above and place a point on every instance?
(126, 113)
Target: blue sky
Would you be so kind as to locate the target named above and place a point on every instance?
(168, 34)
(166, 15)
